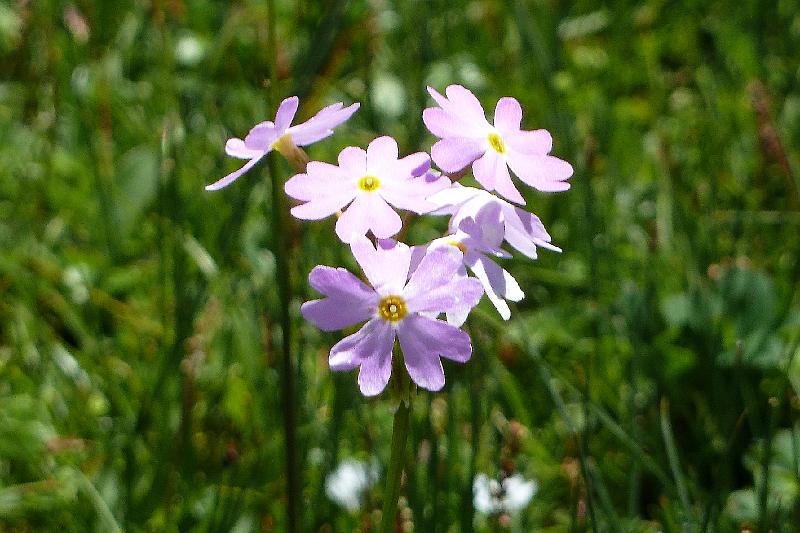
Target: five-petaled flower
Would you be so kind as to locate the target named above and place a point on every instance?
(266, 136)
(467, 137)
(396, 306)
(479, 238)
(522, 230)
(372, 179)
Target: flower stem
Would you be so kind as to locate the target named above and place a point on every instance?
(283, 278)
(288, 399)
(399, 437)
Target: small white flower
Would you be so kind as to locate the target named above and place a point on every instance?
(347, 484)
(493, 497)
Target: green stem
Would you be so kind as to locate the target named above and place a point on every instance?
(394, 476)
(279, 228)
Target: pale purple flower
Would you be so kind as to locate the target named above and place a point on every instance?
(479, 238)
(522, 230)
(395, 306)
(373, 180)
(264, 137)
(467, 137)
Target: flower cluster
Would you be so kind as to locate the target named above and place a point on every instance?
(410, 288)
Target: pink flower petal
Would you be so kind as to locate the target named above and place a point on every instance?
(230, 178)
(353, 161)
(430, 290)
(237, 148)
(320, 179)
(524, 231)
(285, 114)
(381, 153)
(545, 173)
(486, 227)
(415, 164)
(454, 153)
(491, 172)
(498, 284)
(465, 103)
(261, 136)
(507, 115)
(354, 222)
(371, 341)
(348, 300)
(321, 125)
(368, 212)
(438, 97)
(322, 206)
(331, 314)
(340, 283)
(454, 196)
(410, 194)
(423, 340)
(386, 268)
(383, 220)
(505, 186)
(464, 110)
(376, 370)
(443, 124)
(536, 142)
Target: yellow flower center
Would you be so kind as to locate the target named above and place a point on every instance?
(369, 183)
(392, 308)
(496, 142)
(459, 245)
(283, 143)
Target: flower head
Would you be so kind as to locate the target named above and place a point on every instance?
(373, 180)
(268, 135)
(467, 137)
(395, 306)
(478, 238)
(522, 230)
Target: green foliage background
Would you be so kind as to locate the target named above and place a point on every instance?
(648, 381)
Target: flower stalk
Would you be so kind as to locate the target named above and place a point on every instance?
(402, 418)
(283, 273)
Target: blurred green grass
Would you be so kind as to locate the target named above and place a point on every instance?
(648, 381)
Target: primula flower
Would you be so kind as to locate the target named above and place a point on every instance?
(467, 137)
(266, 136)
(522, 230)
(479, 238)
(395, 306)
(372, 180)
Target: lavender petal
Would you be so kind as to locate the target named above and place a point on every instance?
(454, 153)
(507, 115)
(386, 268)
(230, 178)
(285, 114)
